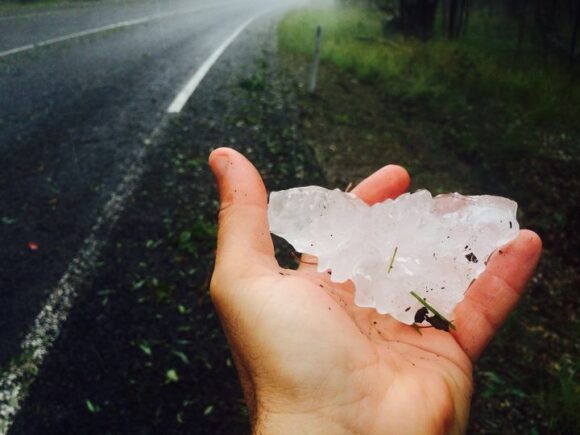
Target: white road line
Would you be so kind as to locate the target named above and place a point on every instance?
(79, 34)
(120, 25)
(181, 99)
(21, 372)
(16, 50)
(19, 375)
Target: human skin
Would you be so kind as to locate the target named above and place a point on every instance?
(311, 361)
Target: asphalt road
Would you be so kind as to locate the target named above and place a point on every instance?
(72, 116)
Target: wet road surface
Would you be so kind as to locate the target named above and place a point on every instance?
(72, 117)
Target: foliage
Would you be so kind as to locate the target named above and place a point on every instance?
(200, 233)
(439, 69)
(562, 400)
(553, 27)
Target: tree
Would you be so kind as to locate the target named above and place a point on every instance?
(556, 26)
(417, 17)
(575, 29)
(456, 14)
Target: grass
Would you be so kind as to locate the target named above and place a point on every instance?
(439, 69)
(562, 400)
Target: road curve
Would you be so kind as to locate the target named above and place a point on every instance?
(71, 115)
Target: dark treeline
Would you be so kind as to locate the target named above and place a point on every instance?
(552, 25)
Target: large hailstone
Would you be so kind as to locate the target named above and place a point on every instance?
(433, 246)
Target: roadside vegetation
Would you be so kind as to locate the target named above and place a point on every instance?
(487, 112)
(446, 71)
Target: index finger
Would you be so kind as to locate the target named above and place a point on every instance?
(494, 295)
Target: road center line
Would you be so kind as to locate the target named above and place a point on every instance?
(183, 96)
(113, 26)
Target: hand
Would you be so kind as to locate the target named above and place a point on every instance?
(310, 361)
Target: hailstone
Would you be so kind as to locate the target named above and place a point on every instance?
(432, 246)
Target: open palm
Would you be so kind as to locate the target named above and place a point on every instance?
(310, 361)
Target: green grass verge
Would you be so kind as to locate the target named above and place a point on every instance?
(478, 68)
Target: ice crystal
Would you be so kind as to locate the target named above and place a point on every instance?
(433, 246)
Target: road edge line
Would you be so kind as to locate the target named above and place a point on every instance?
(119, 25)
(19, 376)
(15, 381)
(187, 91)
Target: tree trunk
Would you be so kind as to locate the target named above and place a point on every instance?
(574, 36)
(452, 20)
(488, 18)
(417, 17)
(464, 16)
(458, 15)
(522, 25)
(444, 16)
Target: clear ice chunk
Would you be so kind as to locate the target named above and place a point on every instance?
(434, 246)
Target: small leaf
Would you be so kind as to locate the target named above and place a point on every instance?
(182, 309)
(145, 348)
(421, 314)
(441, 319)
(92, 408)
(172, 376)
(208, 410)
(183, 357)
(138, 284)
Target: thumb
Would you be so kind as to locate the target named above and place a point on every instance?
(244, 241)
